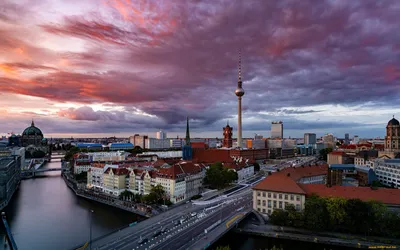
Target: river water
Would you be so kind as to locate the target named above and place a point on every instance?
(45, 214)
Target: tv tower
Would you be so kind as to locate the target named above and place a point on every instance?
(239, 92)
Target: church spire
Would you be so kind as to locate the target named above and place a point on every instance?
(33, 123)
(187, 132)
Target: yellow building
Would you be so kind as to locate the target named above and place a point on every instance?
(114, 180)
(141, 181)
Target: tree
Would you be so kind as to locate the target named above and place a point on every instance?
(81, 177)
(256, 166)
(223, 248)
(218, 176)
(127, 195)
(315, 214)
(358, 213)
(336, 208)
(279, 217)
(295, 218)
(324, 153)
(70, 153)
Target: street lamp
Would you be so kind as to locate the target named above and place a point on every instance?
(90, 240)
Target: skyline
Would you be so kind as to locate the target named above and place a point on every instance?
(139, 66)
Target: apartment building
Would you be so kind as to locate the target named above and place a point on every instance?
(115, 181)
(141, 181)
(366, 158)
(181, 180)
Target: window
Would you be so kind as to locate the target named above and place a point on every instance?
(269, 203)
(264, 210)
(263, 194)
(286, 196)
(269, 211)
(274, 204)
(297, 207)
(297, 197)
(269, 195)
(258, 202)
(274, 196)
(280, 204)
(258, 193)
(286, 204)
(292, 197)
(280, 196)
(263, 202)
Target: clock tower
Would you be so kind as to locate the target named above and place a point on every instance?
(227, 143)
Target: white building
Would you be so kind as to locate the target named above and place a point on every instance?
(161, 135)
(245, 173)
(277, 130)
(388, 171)
(153, 143)
(95, 175)
(176, 143)
(108, 156)
(289, 143)
(274, 143)
(258, 144)
(165, 154)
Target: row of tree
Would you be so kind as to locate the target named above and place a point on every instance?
(157, 195)
(324, 153)
(341, 215)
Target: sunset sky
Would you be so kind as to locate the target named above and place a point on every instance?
(119, 67)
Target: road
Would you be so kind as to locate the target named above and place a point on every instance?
(176, 235)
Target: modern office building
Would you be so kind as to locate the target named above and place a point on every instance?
(138, 140)
(310, 138)
(277, 130)
(388, 172)
(346, 139)
(161, 135)
(329, 140)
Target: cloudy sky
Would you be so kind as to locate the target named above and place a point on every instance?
(118, 67)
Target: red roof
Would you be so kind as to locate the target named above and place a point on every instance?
(307, 171)
(117, 171)
(337, 153)
(384, 195)
(235, 165)
(181, 168)
(350, 146)
(279, 183)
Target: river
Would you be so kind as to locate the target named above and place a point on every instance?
(45, 214)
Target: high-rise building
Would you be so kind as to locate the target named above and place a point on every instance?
(329, 140)
(239, 92)
(227, 143)
(310, 138)
(161, 135)
(346, 139)
(277, 130)
(10, 176)
(187, 148)
(138, 140)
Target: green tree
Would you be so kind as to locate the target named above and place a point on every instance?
(358, 214)
(295, 218)
(223, 248)
(127, 195)
(70, 153)
(256, 166)
(324, 153)
(316, 215)
(81, 177)
(218, 176)
(279, 217)
(336, 208)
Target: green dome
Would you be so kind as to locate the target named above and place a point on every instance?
(32, 130)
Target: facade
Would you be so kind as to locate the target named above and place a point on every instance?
(176, 143)
(95, 175)
(278, 190)
(329, 140)
(227, 142)
(10, 172)
(365, 158)
(258, 144)
(161, 135)
(141, 181)
(342, 174)
(115, 181)
(388, 171)
(153, 143)
(339, 157)
(242, 169)
(138, 140)
(164, 154)
(277, 130)
(310, 138)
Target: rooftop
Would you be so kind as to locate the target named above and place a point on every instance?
(385, 195)
(279, 183)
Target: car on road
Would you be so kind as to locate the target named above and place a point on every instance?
(156, 233)
(193, 214)
(165, 229)
(177, 223)
(143, 240)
